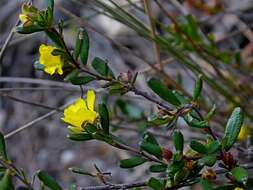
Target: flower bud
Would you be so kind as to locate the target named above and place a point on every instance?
(189, 164)
(167, 154)
(125, 77)
(209, 174)
(228, 159)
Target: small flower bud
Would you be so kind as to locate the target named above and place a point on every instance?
(167, 154)
(189, 164)
(228, 159)
(209, 174)
(125, 77)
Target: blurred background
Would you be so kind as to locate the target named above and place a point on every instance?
(44, 145)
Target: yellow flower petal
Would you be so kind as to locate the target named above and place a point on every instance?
(238, 188)
(77, 114)
(244, 132)
(23, 18)
(91, 99)
(52, 63)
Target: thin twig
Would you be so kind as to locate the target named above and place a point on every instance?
(7, 41)
(31, 123)
(29, 102)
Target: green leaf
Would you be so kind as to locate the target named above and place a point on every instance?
(79, 42)
(104, 117)
(148, 137)
(3, 153)
(50, 10)
(206, 184)
(178, 140)
(155, 184)
(105, 138)
(55, 38)
(158, 168)
(175, 167)
(210, 113)
(197, 88)
(82, 80)
(132, 162)
(48, 181)
(29, 30)
(213, 147)
(152, 149)
(74, 73)
(195, 123)
(85, 46)
(161, 90)
(102, 67)
(80, 136)
(181, 175)
(90, 128)
(208, 160)
(6, 181)
(233, 128)
(240, 174)
(198, 147)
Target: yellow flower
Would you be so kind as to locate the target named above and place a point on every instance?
(81, 112)
(52, 63)
(23, 18)
(244, 132)
(238, 188)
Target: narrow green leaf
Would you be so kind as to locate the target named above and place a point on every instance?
(155, 184)
(3, 153)
(90, 128)
(55, 38)
(197, 88)
(181, 175)
(148, 137)
(213, 147)
(104, 117)
(29, 30)
(158, 168)
(102, 67)
(79, 43)
(240, 174)
(6, 181)
(178, 140)
(175, 167)
(85, 46)
(161, 90)
(208, 160)
(82, 80)
(233, 128)
(152, 149)
(132, 162)
(48, 181)
(71, 75)
(80, 136)
(198, 147)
